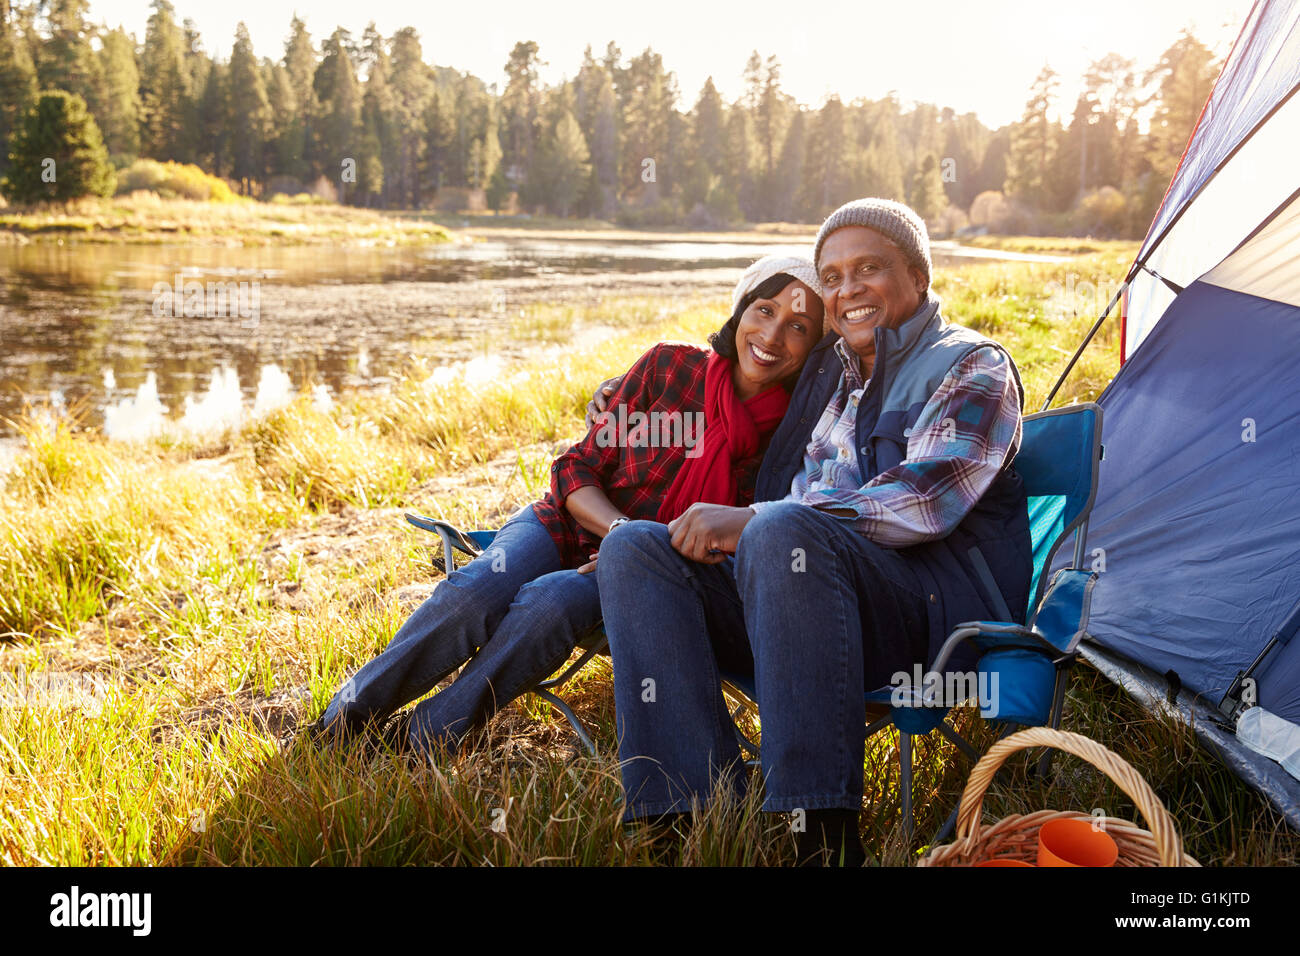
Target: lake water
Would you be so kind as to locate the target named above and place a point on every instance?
(135, 337)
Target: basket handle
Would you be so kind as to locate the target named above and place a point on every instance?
(1163, 830)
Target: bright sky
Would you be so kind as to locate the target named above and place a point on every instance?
(979, 57)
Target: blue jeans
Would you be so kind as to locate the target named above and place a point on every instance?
(514, 612)
(815, 611)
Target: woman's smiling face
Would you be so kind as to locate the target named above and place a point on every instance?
(774, 337)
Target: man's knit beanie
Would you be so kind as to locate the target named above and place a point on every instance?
(892, 219)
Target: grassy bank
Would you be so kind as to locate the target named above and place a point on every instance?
(179, 607)
(484, 224)
(1055, 245)
(145, 218)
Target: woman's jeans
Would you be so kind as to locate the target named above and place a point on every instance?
(513, 612)
(815, 611)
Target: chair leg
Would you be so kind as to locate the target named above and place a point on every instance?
(905, 783)
(570, 716)
(546, 688)
(948, 828)
(1054, 717)
(958, 741)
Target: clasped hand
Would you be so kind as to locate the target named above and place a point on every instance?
(708, 533)
(704, 533)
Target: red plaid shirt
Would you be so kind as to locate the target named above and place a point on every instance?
(636, 470)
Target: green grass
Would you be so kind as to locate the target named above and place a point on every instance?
(1056, 245)
(218, 592)
(144, 217)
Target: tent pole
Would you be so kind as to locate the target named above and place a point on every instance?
(1084, 344)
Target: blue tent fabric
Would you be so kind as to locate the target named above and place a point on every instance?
(1264, 69)
(1198, 524)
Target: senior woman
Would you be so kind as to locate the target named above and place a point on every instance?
(517, 611)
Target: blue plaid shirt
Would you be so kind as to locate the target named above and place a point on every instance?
(954, 452)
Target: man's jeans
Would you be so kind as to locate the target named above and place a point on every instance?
(819, 614)
(515, 604)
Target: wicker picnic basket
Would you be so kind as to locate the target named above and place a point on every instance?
(1016, 836)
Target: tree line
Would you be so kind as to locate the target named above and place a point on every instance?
(370, 122)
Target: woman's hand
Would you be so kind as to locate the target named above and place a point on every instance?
(708, 533)
(590, 566)
(600, 401)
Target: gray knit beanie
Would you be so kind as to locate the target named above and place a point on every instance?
(892, 219)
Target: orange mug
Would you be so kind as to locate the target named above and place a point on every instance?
(1003, 861)
(1065, 842)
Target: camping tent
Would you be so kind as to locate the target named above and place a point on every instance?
(1197, 518)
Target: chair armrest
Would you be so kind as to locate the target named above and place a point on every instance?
(1057, 626)
(988, 635)
(450, 534)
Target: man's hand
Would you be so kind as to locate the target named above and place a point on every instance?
(590, 566)
(708, 533)
(600, 401)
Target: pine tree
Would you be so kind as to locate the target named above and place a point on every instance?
(597, 113)
(708, 135)
(164, 86)
(827, 171)
(440, 135)
(1186, 72)
(17, 79)
(1034, 145)
(927, 195)
(57, 152)
(650, 93)
(880, 170)
(211, 129)
(119, 119)
(771, 119)
(67, 61)
(789, 171)
(279, 95)
(250, 114)
(378, 119)
(737, 185)
(564, 166)
(412, 87)
(1073, 172)
(519, 109)
(338, 126)
(300, 64)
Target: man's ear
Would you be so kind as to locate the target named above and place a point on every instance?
(918, 277)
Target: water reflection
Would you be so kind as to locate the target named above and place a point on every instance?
(220, 406)
(79, 323)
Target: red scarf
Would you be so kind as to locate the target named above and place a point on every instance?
(732, 432)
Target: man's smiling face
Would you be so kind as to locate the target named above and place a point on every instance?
(867, 283)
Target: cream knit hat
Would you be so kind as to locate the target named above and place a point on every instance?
(762, 270)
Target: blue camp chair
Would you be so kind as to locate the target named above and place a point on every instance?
(474, 543)
(1027, 664)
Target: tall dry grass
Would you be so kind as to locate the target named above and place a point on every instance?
(174, 610)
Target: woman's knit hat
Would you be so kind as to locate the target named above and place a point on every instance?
(892, 219)
(762, 270)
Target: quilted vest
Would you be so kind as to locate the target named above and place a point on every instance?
(911, 362)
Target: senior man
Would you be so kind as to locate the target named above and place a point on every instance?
(886, 511)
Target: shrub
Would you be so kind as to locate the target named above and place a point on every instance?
(173, 181)
(1102, 212)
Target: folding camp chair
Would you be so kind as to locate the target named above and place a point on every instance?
(1026, 664)
(474, 543)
